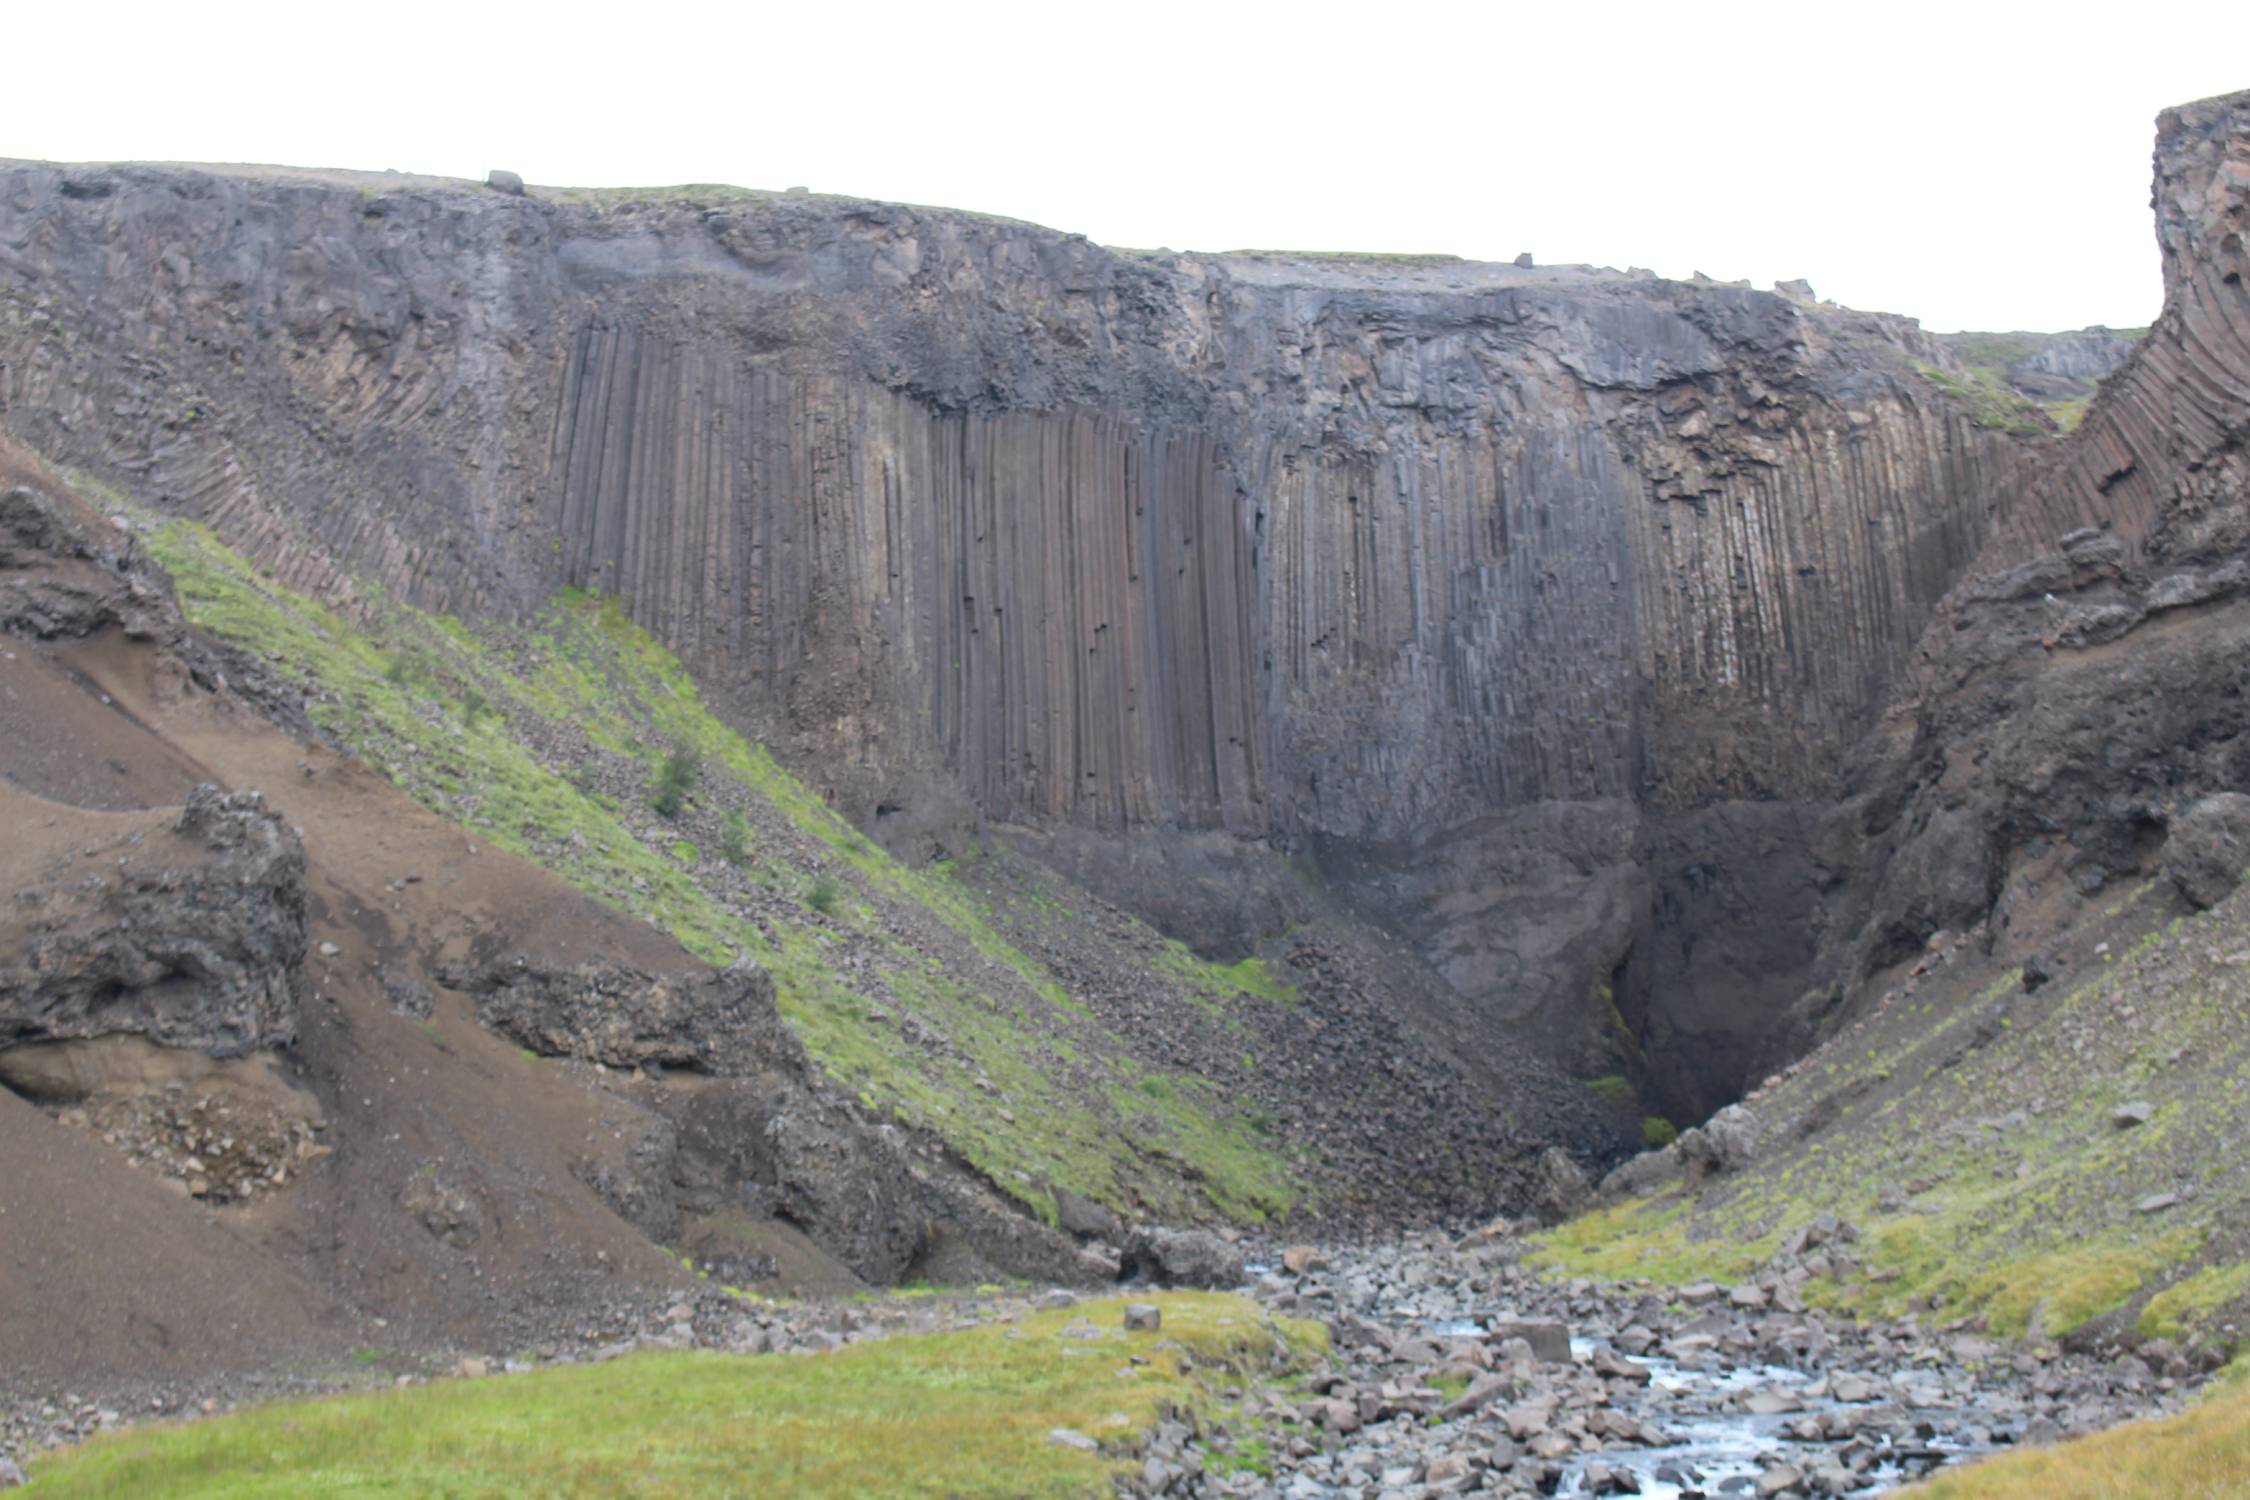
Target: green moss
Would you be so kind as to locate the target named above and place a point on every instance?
(1612, 1089)
(974, 1408)
(1658, 1131)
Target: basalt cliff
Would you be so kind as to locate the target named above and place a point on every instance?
(1542, 621)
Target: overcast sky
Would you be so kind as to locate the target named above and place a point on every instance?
(1974, 165)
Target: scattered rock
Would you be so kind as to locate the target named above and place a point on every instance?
(1143, 1317)
(1071, 1437)
(2130, 1116)
(501, 181)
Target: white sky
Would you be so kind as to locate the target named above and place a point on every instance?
(1975, 165)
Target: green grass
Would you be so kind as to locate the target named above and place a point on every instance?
(2188, 1305)
(956, 1414)
(392, 684)
(2201, 1454)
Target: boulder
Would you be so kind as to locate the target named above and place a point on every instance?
(2208, 848)
(501, 181)
(1558, 1187)
(1549, 1341)
(1083, 1217)
(190, 932)
(1181, 1257)
(1727, 1142)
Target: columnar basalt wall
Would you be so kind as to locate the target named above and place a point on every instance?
(1251, 543)
(1336, 553)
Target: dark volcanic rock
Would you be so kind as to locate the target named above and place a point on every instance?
(714, 1021)
(2209, 848)
(191, 934)
(1182, 1257)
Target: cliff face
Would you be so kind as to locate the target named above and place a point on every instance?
(1592, 579)
(1257, 543)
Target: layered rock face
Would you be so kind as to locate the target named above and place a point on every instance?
(1592, 579)
(2079, 721)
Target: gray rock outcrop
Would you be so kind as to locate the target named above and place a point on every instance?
(713, 1021)
(191, 934)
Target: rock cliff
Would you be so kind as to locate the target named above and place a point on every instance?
(1593, 579)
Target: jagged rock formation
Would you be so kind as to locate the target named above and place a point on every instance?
(188, 930)
(1593, 579)
(2078, 701)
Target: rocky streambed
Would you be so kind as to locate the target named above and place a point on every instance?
(1454, 1371)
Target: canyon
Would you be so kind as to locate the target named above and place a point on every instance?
(850, 744)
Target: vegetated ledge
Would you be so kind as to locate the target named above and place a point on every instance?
(967, 1413)
(1972, 1133)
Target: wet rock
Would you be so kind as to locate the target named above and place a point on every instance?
(1181, 1257)
(1780, 1479)
(191, 935)
(2208, 848)
(1549, 1341)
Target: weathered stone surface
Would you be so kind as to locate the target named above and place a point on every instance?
(1182, 1257)
(502, 181)
(714, 1021)
(2208, 848)
(1724, 1143)
(188, 931)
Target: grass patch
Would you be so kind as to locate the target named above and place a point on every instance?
(1611, 1088)
(971, 1409)
(2184, 1307)
(2201, 1454)
(1645, 1239)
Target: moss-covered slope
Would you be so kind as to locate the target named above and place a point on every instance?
(580, 743)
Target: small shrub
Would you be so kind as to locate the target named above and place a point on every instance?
(823, 895)
(675, 782)
(734, 839)
(1658, 1131)
(473, 707)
